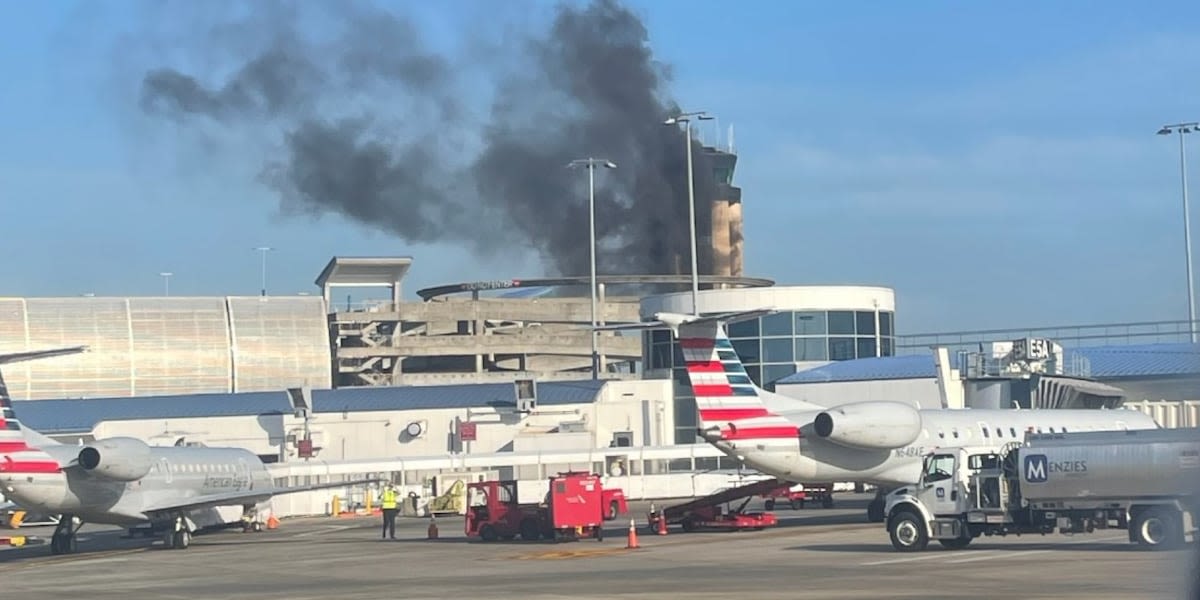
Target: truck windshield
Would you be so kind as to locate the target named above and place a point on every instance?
(938, 467)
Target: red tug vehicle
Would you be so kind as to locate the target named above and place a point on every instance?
(799, 497)
(575, 506)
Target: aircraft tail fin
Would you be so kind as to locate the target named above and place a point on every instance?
(730, 405)
(13, 437)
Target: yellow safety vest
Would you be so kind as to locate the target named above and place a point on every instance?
(389, 499)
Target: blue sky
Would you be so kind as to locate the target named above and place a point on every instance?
(995, 163)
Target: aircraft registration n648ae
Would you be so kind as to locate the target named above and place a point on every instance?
(124, 481)
(879, 443)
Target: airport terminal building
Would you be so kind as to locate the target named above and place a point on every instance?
(460, 350)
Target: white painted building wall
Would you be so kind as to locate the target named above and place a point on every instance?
(640, 407)
(259, 434)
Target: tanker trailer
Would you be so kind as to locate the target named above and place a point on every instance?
(1144, 481)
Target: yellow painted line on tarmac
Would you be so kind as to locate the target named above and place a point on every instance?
(564, 554)
(650, 542)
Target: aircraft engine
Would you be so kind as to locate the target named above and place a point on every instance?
(118, 458)
(869, 425)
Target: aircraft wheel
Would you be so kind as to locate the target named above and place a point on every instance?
(181, 539)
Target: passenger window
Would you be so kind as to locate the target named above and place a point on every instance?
(999, 432)
(985, 432)
(942, 434)
(1063, 429)
(1013, 431)
(955, 432)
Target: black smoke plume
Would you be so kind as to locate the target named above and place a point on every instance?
(375, 125)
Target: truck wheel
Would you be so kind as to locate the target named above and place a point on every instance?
(907, 531)
(769, 504)
(613, 511)
(827, 500)
(488, 533)
(530, 530)
(1157, 528)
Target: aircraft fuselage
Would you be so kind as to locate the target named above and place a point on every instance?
(813, 459)
(176, 474)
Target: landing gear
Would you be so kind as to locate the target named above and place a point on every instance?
(64, 541)
(178, 537)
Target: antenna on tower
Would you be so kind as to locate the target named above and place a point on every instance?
(731, 139)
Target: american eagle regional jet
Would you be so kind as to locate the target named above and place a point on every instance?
(881, 443)
(124, 481)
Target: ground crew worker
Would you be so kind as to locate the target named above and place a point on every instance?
(387, 501)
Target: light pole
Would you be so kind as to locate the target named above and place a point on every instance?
(591, 164)
(1182, 129)
(686, 119)
(166, 283)
(264, 250)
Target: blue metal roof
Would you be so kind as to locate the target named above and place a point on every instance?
(82, 415)
(1106, 362)
(450, 396)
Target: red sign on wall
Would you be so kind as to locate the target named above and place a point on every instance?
(466, 431)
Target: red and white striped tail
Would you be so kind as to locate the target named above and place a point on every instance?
(16, 455)
(726, 398)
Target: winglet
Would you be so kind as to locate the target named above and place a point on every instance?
(16, 357)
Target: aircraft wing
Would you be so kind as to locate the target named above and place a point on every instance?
(245, 497)
(36, 354)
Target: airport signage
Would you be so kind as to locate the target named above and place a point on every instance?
(466, 431)
(491, 285)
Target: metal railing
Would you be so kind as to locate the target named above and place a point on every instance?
(1144, 332)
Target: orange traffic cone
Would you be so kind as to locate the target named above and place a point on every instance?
(633, 541)
(662, 525)
(272, 523)
(432, 532)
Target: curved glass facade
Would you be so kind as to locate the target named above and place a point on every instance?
(167, 345)
(772, 347)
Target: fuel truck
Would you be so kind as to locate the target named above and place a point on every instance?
(1144, 481)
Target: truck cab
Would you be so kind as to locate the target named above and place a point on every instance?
(957, 485)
